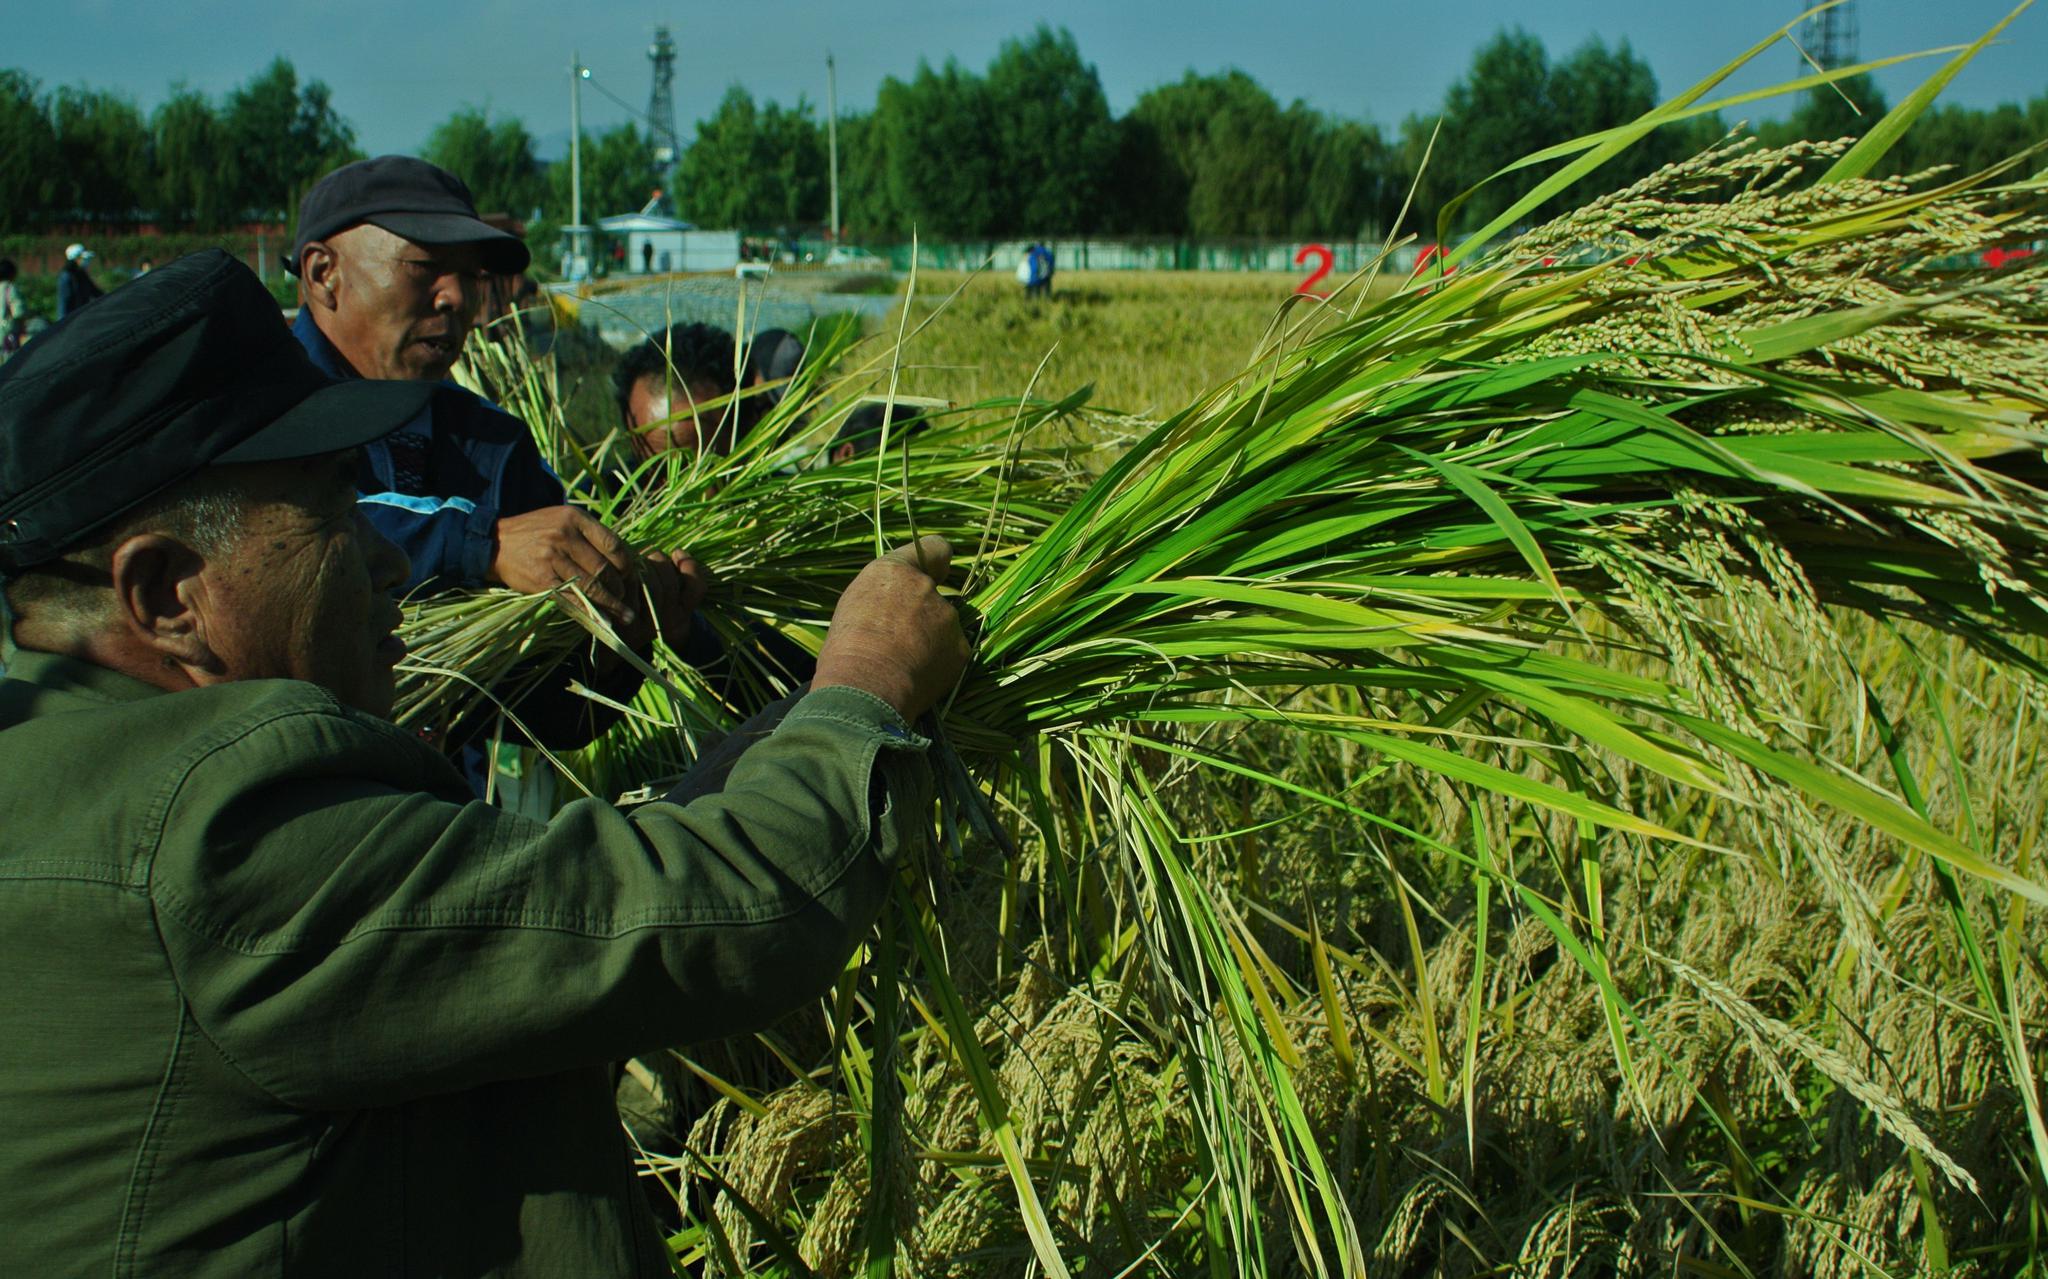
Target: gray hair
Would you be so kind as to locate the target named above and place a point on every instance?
(205, 512)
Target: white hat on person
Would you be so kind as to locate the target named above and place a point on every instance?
(77, 253)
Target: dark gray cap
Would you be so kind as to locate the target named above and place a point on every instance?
(409, 197)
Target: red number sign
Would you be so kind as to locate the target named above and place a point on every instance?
(1315, 277)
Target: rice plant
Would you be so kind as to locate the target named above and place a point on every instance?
(1342, 765)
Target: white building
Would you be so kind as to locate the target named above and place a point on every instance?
(657, 245)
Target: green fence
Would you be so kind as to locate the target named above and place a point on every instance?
(1136, 255)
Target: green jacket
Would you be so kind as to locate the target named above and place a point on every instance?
(280, 999)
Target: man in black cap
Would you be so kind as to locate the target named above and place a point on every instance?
(281, 998)
(392, 260)
(393, 264)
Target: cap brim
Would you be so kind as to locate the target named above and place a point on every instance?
(343, 416)
(504, 253)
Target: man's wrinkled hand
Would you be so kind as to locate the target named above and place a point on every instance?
(544, 549)
(893, 634)
(672, 586)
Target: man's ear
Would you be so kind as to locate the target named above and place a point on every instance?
(319, 274)
(160, 598)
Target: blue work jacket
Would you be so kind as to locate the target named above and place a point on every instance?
(438, 485)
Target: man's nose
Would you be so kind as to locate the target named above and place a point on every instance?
(454, 293)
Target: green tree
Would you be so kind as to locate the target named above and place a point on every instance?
(1843, 110)
(1228, 141)
(1499, 111)
(1513, 101)
(793, 154)
(866, 208)
(495, 157)
(1597, 88)
(279, 138)
(1340, 168)
(188, 152)
(754, 166)
(1970, 140)
(1147, 190)
(619, 176)
(28, 153)
(931, 137)
(1053, 134)
(103, 154)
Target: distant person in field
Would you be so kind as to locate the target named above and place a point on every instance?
(1034, 271)
(11, 314)
(393, 263)
(647, 257)
(282, 998)
(75, 286)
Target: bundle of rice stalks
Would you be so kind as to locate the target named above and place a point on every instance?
(1518, 530)
(778, 524)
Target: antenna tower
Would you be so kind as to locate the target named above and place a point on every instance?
(661, 100)
(1829, 37)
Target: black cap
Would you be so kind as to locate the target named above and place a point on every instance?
(185, 367)
(774, 356)
(409, 197)
(863, 427)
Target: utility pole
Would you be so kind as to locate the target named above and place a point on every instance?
(577, 74)
(832, 140)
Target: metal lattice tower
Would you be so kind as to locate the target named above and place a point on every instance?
(1829, 37)
(661, 100)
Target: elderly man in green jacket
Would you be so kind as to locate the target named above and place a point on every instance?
(280, 999)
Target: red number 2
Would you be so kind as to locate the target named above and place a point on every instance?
(1315, 277)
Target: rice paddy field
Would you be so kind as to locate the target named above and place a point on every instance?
(1148, 342)
(1528, 771)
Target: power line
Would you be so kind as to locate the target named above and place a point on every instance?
(636, 112)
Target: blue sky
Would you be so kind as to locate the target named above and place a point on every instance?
(397, 67)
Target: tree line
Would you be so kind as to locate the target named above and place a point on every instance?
(88, 155)
(1026, 147)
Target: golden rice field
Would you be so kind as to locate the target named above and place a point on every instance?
(1540, 779)
(1147, 341)
(1798, 1085)
(1796, 1095)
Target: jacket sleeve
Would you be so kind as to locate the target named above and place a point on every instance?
(348, 939)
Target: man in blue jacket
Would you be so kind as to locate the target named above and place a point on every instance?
(392, 261)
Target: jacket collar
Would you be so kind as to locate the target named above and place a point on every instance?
(79, 678)
(325, 357)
